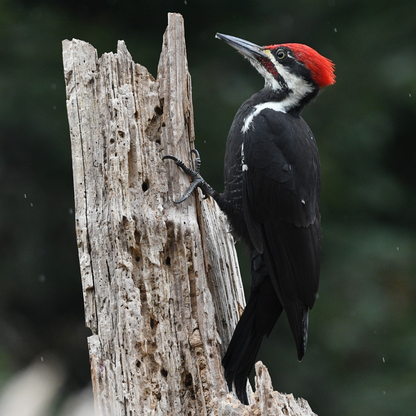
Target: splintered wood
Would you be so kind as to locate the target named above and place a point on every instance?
(161, 282)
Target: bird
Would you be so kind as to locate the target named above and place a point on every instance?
(272, 185)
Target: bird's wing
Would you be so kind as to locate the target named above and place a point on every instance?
(281, 186)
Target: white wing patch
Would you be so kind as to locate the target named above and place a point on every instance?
(244, 166)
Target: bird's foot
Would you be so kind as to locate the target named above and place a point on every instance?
(196, 178)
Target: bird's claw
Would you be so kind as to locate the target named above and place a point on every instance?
(196, 178)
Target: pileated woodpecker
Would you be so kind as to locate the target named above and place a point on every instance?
(271, 197)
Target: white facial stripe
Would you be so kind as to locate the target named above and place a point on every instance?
(269, 79)
(297, 86)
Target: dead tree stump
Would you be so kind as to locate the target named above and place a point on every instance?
(161, 283)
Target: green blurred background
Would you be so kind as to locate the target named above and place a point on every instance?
(361, 358)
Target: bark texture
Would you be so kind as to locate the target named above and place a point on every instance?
(161, 283)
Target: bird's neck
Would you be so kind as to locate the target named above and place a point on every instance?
(291, 101)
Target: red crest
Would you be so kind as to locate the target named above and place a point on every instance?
(322, 69)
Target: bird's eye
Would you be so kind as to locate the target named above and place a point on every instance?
(281, 54)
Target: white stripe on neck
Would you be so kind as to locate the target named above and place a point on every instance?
(272, 105)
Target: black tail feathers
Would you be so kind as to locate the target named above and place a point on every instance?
(298, 317)
(259, 316)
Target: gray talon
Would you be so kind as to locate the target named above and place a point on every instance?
(196, 178)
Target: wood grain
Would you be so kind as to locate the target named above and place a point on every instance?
(161, 284)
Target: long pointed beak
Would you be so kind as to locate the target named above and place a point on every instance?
(247, 49)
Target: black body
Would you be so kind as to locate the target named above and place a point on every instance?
(272, 206)
(271, 198)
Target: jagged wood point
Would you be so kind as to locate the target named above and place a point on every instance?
(161, 283)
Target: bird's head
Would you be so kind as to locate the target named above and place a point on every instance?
(292, 70)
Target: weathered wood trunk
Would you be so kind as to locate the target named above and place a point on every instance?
(161, 283)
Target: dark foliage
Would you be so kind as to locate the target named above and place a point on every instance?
(360, 358)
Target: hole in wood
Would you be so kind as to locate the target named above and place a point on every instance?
(145, 185)
(188, 379)
(153, 322)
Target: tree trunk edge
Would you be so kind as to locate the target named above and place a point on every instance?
(113, 392)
